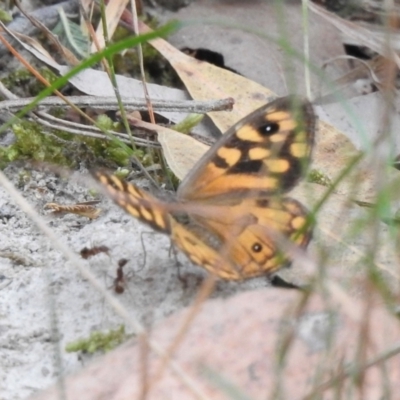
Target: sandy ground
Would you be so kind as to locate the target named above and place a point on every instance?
(45, 302)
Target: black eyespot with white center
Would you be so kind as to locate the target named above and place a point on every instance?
(269, 129)
(256, 247)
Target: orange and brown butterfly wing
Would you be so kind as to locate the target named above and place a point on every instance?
(200, 253)
(248, 231)
(254, 235)
(135, 201)
(264, 153)
(149, 210)
(264, 244)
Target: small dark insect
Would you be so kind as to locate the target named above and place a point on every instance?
(119, 281)
(90, 252)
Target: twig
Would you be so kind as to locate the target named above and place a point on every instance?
(135, 25)
(75, 128)
(110, 103)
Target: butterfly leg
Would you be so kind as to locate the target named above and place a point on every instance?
(178, 264)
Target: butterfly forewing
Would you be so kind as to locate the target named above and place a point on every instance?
(264, 153)
(135, 201)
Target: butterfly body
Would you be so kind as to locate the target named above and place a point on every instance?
(235, 194)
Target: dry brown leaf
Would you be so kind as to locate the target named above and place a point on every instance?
(33, 46)
(360, 35)
(257, 52)
(333, 152)
(180, 151)
(113, 12)
(205, 81)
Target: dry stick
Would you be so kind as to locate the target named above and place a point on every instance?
(110, 72)
(141, 63)
(145, 89)
(106, 103)
(114, 303)
(145, 381)
(51, 122)
(7, 93)
(133, 103)
(306, 47)
(85, 130)
(135, 162)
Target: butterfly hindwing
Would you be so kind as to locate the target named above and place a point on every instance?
(251, 233)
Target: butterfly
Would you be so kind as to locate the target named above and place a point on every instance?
(234, 197)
